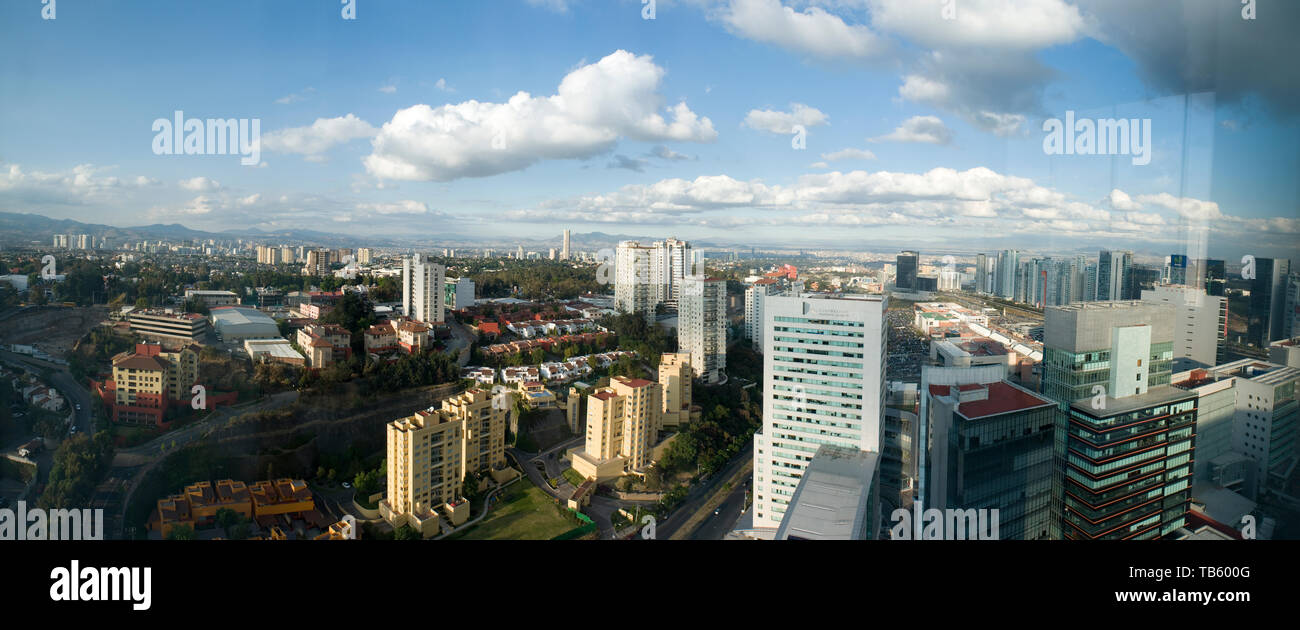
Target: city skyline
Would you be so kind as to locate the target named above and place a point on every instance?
(651, 140)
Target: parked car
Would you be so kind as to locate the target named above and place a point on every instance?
(346, 485)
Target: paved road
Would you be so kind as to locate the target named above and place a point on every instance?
(716, 526)
(699, 494)
(461, 338)
(62, 380)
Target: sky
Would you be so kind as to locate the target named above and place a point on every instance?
(924, 123)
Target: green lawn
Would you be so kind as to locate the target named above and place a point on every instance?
(524, 512)
(574, 477)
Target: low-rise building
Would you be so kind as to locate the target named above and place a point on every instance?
(169, 327)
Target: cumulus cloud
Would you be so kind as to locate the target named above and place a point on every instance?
(321, 136)
(813, 31)
(927, 129)
(783, 122)
(594, 106)
(200, 184)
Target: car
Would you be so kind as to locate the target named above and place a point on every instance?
(347, 485)
(717, 511)
(78, 407)
(73, 430)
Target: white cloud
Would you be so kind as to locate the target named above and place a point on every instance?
(400, 207)
(388, 89)
(849, 154)
(783, 122)
(1025, 25)
(295, 97)
(813, 31)
(321, 136)
(442, 85)
(200, 184)
(1186, 207)
(558, 6)
(927, 129)
(1120, 200)
(593, 107)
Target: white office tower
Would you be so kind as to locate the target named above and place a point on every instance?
(633, 292)
(754, 295)
(423, 287)
(823, 383)
(1200, 321)
(702, 326)
(565, 253)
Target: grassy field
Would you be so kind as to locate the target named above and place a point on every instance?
(524, 512)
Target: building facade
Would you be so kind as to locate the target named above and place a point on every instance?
(423, 289)
(824, 383)
(702, 326)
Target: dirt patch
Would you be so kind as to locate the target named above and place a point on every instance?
(52, 329)
(550, 429)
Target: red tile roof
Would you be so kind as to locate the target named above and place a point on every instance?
(1003, 398)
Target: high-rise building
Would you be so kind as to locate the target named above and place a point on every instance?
(1266, 425)
(702, 326)
(981, 273)
(431, 451)
(623, 422)
(823, 383)
(991, 448)
(1265, 316)
(364, 254)
(754, 295)
(565, 253)
(633, 292)
(1177, 269)
(1113, 275)
(906, 276)
(1216, 407)
(1004, 282)
(1200, 321)
(317, 262)
(1291, 309)
(647, 276)
(423, 289)
(1124, 449)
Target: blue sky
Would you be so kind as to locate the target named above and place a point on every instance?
(919, 129)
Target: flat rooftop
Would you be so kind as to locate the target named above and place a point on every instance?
(1114, 406)
(832, 500)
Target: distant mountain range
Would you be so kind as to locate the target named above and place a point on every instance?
(28, 229)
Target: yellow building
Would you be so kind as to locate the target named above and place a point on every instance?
(431, 451)
(675, 381)
(622, 427)
(149, 379)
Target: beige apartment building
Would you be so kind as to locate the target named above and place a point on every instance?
(431, 451)
(675, 381)
(622, 428)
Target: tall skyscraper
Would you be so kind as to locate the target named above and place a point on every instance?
(824, 383)
(981, 273)
(1200, 321)
(646, 276)
(1124, 436)
(906, 276)
(702, 326)
(1004, 282)
(633, 292)
(1113, 275)
(423, 289)
(564, 252)
(1265, 317)
(754, 295)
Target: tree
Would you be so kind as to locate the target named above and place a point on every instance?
(405, 532)
(181, 532)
